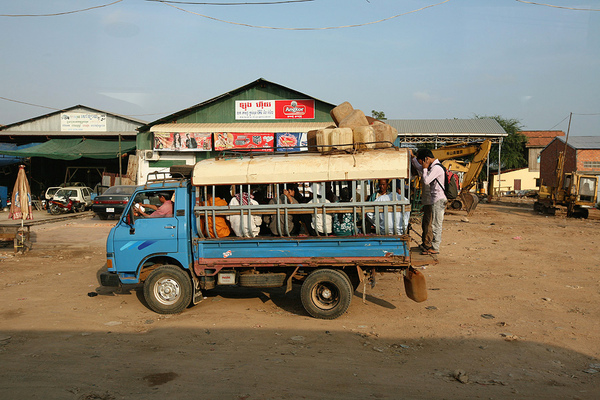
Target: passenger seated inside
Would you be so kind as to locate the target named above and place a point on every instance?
(320, 223)
(382, 189)
(343, 223)
(244, 226)
(221, 225)
(271, 220)
(401, 219)
(164, 210)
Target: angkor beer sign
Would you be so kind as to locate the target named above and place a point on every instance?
(275, 109)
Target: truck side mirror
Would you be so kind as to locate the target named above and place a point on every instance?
(129, 221)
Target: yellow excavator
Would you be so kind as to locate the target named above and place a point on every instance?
(574, 191)
(448, 154)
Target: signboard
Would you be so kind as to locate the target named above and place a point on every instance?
(244, 141)
(291, 141)
(274, 109)
(80, 122)
(182, 141)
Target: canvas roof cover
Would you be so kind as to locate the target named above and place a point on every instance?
(72, 149)
(305, 167)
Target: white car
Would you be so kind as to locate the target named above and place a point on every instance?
(49, 193)
(82, 194)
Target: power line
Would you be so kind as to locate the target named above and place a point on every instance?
(232, 4)
(551, 5)
(167, 3)
(60, 13)
(563, 120)
(29, 104)
(59, 109)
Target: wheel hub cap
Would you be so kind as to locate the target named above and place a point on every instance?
(167, 291)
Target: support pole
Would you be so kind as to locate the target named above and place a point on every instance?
(120, 164)
(500, 168)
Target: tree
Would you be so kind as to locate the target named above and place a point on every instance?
(380, 115)
(514, 152)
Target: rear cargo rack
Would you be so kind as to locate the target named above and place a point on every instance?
(164, 178)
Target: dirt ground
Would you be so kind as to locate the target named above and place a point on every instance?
(513, 313)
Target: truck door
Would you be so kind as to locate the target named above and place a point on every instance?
(144, 236)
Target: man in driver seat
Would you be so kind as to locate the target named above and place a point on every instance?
(164, 210)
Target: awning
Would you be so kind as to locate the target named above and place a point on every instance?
(73, 149)
(241, 127)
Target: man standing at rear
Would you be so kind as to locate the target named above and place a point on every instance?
(433, 199)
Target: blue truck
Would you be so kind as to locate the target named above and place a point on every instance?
(177, 257)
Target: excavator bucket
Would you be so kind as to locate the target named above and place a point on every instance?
(470, 201)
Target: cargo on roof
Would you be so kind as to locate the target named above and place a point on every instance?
(307, 167)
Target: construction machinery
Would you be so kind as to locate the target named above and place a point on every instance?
(573, 191)
(576, 193)
(470, 170)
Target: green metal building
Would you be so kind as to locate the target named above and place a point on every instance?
(254, 115)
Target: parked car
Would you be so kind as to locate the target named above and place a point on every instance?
(81, 194)
(112, 201)
(49, 193)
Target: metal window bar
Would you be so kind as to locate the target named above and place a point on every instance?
(198, 223)
(245, 210)
(319, 208)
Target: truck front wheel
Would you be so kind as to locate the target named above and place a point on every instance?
(326, 293)
(168, 290)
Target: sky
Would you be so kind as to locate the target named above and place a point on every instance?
(422, 59)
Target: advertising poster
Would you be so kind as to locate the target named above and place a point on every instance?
(291, 141)
(274, 109)
(182, 141)
(244, 141)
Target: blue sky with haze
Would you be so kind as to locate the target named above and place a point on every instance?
(457, 59)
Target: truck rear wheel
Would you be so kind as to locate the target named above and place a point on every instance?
(326, 293)
(168, 290)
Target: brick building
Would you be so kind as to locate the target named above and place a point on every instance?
(582, 155)
(536, 141)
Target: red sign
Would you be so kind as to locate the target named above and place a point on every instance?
(294, 109)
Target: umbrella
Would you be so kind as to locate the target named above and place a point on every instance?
(20, 207)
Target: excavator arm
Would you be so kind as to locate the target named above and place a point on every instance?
(480, 151)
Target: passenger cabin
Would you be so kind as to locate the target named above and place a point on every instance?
(328, 190)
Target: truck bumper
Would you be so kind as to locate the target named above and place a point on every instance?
(109, 279)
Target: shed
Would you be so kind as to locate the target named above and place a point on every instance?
(100, 138)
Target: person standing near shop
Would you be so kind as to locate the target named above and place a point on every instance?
(433, 199)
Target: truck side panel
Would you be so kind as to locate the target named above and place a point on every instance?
(232, 253)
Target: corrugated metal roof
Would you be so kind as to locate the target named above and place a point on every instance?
(242, 127)
(229, 94)
(582, 142)
(74, 108)
(66, 134)
(463, 127)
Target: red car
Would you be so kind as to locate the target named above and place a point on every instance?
(112, 201)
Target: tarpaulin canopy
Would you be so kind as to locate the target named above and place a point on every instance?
(72, 149)
(8, 160)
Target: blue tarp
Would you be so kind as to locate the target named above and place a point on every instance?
(9, 160)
